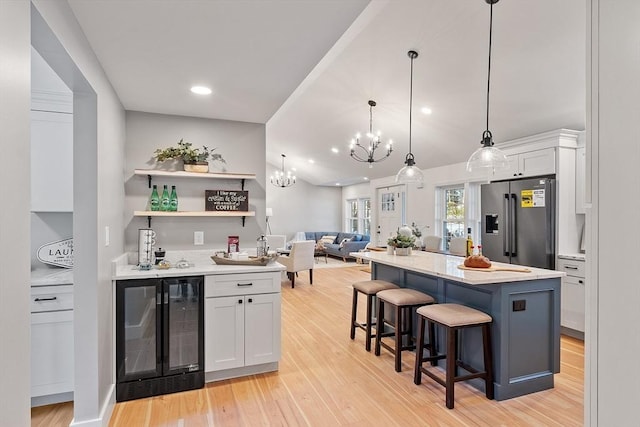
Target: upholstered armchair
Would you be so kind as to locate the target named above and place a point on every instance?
(432, 243)
(300, 258)
(458, 246)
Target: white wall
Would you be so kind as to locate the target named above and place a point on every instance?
(15, 101)
(241, 144)
(303, 207)
(98, 201)
(612, 389)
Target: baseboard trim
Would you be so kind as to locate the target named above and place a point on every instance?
(240, 372)
(105, 413)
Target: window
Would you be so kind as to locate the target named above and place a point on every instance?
(458, 207)
(453, 219)
(358, 218)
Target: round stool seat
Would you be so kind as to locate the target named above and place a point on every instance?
(372, 287)
(403, 296)
(454, 315)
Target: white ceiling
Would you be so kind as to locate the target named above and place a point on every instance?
(307, 69)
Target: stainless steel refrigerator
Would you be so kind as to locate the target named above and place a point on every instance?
(519, 222)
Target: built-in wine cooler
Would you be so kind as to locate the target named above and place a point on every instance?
(159, 336)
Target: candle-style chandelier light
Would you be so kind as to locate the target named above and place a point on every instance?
(282, 179)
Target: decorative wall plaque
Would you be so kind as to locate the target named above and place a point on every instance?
(58, 253)
(226, 200)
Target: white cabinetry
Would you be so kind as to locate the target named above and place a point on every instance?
(51, 161)
(580, 179)
(242, 324)
(573, 291)
(530, 163)
(51, 344)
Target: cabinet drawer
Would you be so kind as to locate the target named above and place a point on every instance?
(51, 298)
(571, 267)
(241, 284)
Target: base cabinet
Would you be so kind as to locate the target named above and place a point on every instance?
(242, 330)
(572, 309)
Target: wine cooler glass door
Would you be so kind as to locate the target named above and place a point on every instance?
(183, 323)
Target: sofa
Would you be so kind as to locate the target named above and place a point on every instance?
(339, 247)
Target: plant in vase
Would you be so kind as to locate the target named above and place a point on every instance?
(194, 159)
(402, 244)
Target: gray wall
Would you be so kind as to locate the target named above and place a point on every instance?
(15, 101)
(98, 201)
(243, 147)
(303, 207)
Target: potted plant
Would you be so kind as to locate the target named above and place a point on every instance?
(194, 159)
(402, 244)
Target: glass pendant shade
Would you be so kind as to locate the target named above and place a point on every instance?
(410, 173)
(487, 157)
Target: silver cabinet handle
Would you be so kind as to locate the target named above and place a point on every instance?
(245, 284)
(570, 267)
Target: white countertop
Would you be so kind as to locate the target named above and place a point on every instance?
(200, 263)
(446, 266)
(51, 276)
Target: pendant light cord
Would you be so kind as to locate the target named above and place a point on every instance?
(410, 101)
(371, 119)
(489, 66)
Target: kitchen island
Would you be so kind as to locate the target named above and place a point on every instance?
(525, 307)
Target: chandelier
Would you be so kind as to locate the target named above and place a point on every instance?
(488, 156)
(281, 179)
(410, 172)
(366, 153)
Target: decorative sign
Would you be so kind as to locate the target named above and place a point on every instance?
(532, 198)
(58, 253)
(226, 200)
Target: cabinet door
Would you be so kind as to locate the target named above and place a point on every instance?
(224, 333)
(262, 329)
(538, 162)
(572, 303)
(51, 353)
(51, 162)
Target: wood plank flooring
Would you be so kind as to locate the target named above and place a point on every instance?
(327, 379)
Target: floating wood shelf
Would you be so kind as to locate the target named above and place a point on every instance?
(185, 214)
(182, 174)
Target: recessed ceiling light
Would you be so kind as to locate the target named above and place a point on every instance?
(366, 179)
(311, 161)
(201, 90)
(426, 110)
(335, 150)
(337, 183)
(294, 169)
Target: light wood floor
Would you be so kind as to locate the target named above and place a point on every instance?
(325, 379)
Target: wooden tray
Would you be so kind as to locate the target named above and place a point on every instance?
(493, 268)
(263, 260)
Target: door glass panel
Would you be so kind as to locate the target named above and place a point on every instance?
(140, 329)
(183, 319)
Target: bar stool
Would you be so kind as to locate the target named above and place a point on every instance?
(370, 288)
(454, 317)
(403, 300)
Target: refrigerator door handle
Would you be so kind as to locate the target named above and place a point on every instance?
(514, 225)
(505, 225)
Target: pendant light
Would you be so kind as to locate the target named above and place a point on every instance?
(488, 156)
(410, 173)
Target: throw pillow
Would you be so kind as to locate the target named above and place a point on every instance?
(327, 239)
(344, 240)
(320, 246)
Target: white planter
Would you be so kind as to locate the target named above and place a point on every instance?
(403, 251)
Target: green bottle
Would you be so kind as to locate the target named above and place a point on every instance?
(164, 200)
(173, 199)
(154, 201)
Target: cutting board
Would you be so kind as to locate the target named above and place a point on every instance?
(493, 268)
